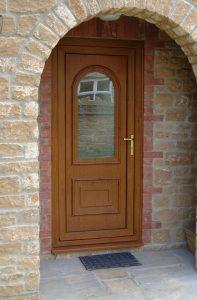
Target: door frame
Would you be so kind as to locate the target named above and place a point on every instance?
(138, 94)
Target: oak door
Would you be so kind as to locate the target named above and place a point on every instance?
(95, 172)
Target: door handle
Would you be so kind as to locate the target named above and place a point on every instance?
(131, 139)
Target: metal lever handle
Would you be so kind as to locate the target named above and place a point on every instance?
(131, 139)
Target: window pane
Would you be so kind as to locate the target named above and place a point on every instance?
(86, 86)
(96, 118)
(103, 85)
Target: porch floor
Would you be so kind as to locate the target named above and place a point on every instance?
(163, 275)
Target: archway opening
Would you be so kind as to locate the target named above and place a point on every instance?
(169, 139)
(29, 32)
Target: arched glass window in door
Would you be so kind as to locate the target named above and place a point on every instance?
(96, 106)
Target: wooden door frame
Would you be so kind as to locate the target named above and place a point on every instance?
(123, 46)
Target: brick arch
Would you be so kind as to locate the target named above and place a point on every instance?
(51, 20)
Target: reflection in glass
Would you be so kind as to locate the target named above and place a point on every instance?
(95, 116)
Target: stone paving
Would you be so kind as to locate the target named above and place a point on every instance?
(164, 275)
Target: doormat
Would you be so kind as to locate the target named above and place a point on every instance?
(111, 260)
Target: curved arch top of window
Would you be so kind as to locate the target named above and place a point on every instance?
(96, 109)
(96, 86)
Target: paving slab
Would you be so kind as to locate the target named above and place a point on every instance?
(163, 275)
(71, 287)
(125, 287)
(57, 267)
(105, 274)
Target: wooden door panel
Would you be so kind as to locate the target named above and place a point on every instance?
(102, 240)
(94, 218)
(92, 197)
(95, 206)
(95, 171)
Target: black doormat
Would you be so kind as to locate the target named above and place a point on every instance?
(112, 260)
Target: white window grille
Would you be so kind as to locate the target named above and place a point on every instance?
(95, 91)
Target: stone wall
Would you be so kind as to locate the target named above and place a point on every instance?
(174, 136)
(30, 30)
(44, 119)
(169, 133)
